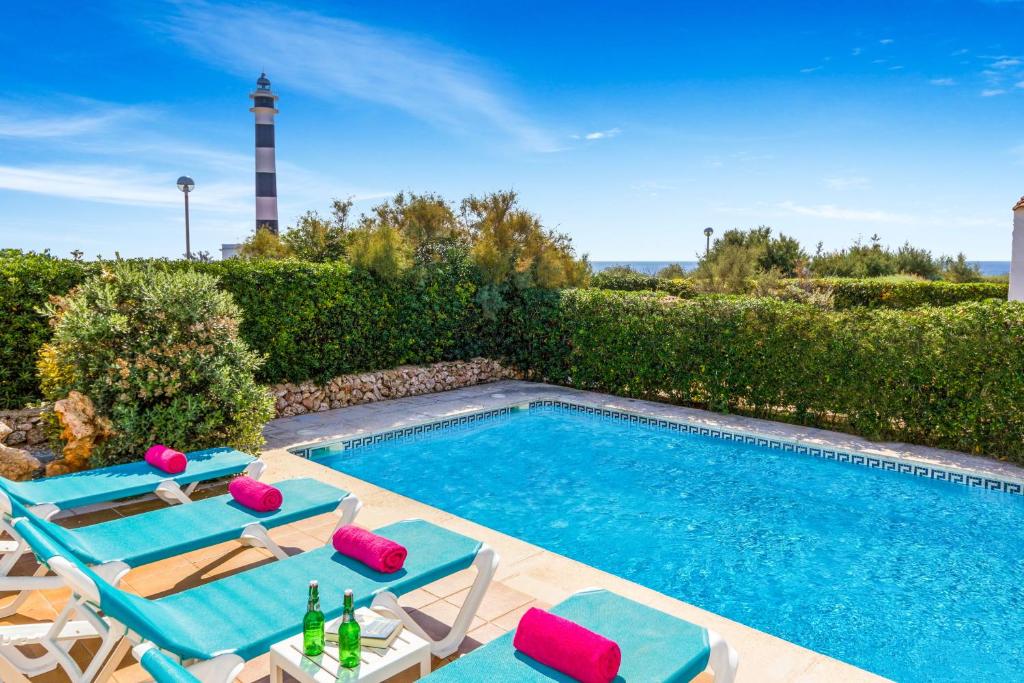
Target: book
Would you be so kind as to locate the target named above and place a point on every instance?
(375, 630)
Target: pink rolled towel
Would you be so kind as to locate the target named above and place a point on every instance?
(166, 459)
(567, 647)
(376, 552)
(255, 495)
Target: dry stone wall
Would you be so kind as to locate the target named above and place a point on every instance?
(26, 428)
(367, 387)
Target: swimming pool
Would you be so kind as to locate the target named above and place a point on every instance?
(909, 577)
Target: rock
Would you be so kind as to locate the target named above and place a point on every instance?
(81, 430)
(5, 429)
(17, 464)
(16, 437)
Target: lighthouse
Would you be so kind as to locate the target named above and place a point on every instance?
(264, 108)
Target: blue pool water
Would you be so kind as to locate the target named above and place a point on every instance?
(914, 579)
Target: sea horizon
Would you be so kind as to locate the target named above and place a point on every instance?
(652, 267)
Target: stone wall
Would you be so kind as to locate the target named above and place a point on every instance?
(26, 427)
(347, 390)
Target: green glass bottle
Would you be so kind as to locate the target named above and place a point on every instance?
(313, 623)
(348, 634)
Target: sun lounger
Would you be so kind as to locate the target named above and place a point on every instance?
(244, 614)
(169, 531)
(655, 646)
(52, 494)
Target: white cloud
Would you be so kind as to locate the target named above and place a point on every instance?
(121, 185)
(810, 69)
(942, 81)
(847, 183)
(831, 212)
(337, 59)
(1020, 84)
(887, 41)
(992, 92)
(1005, 63)
(602, 134)
(28, 124)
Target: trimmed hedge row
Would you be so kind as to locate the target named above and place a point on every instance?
(311, 320)
(882, 293)
(26, 283)
(948, 376)
(636, 282)
(951, 377)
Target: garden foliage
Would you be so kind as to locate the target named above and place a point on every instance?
(888, 293)
(941, 376)
(626, 280)
(882, 365)
(159, 355)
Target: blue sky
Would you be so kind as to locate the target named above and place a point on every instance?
(629, 126)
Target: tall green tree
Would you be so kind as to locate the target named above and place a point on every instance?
(320, 238)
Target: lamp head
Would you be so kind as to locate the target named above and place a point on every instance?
(186, 184)
(708, 232)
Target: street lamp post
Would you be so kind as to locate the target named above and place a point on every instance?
(186, 185)
(708, 232)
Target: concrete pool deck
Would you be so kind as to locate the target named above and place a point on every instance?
(527, 575)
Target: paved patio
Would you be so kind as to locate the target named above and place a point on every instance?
(527, 576)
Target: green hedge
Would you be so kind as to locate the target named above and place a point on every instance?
(636, 282)
(312, 321)
(884, 293)
(26, 283)
(320, 320)
(950, 377)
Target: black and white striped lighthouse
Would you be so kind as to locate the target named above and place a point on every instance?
(264, 106)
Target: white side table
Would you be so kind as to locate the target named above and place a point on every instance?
(407, 651)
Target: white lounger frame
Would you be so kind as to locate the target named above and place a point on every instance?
(222, 668)
(51, 635)
(169, 491)
(11, 551)
(117, 639)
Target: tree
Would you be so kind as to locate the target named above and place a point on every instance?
(959, 270)
(510, 245)
(319, 239)
(730, 270)
(672, 271)
(380, 249)
(740, 255)
(426, 221)
(264, 244)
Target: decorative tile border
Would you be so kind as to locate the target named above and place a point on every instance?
(319, 449)
(954, 476)
(917, 469)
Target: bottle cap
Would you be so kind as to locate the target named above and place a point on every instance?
(314, 584)
(348, 592)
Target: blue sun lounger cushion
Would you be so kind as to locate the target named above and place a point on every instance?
(655, 646)
(246, 613)
(123, 481)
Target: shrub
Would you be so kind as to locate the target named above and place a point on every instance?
(629, 280)
(948, 377)
(158, 354)
(891, 293)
